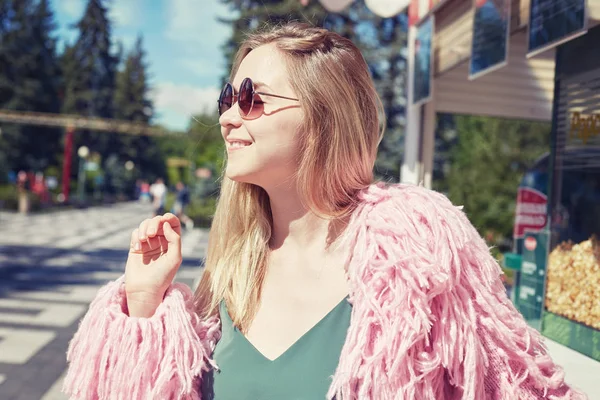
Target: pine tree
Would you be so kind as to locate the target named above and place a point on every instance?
(252, 14)
(132, 103)
(90, 68)
(29, 76)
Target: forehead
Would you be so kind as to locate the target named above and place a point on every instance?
(263, 64)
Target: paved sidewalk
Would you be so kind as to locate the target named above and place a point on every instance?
(580, 371)
(51, 267)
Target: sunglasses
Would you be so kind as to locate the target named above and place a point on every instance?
(245, 98)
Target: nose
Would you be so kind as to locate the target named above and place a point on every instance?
(231, 118)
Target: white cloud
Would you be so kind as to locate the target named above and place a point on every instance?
(183, 100)
(126, 12)
(73, 8)
(202, 66)
(185, 26)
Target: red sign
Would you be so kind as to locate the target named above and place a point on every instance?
(531, 211)
(530, 243)
(413, 12)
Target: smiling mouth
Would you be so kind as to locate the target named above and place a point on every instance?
(238, 145)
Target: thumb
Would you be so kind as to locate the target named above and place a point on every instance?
(173, 239)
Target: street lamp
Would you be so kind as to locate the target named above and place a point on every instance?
(82, 152)
(129, 165)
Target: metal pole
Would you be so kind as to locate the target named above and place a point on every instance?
(66, 175)
(81, 181)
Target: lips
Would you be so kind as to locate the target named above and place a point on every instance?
(235, 144)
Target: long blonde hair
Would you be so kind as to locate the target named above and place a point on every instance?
(339, 138)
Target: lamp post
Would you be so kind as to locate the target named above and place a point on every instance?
(82, 152)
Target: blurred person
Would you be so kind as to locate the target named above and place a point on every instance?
(318, 283)
(40, 189)
(158, 191)
(137, 190)
(23, 191)
(145, 192)
(182, 199)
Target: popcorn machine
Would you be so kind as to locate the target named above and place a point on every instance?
(557, 226)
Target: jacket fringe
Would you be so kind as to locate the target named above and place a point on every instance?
(116, 356)
(431, 318)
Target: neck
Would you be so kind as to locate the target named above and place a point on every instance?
(294, 224)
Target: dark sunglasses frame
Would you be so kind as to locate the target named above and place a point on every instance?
(245, 98)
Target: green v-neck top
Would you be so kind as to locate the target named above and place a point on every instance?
(303, 372)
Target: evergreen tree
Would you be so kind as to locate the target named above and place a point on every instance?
(29, 78)
(132, 103)
(89, 69)
(252, 14)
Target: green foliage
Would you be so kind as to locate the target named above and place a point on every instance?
(90, 67)
(200, 209)
(132, 103)
(29, 81)
(9, 199)
(207, 147)
(485, 161)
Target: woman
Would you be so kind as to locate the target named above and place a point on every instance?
(318, 283)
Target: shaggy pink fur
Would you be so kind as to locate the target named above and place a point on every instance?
(114, 356)
(430, 320)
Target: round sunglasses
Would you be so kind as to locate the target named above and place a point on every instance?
(245, 98)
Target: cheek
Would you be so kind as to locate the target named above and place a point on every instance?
(281, 138)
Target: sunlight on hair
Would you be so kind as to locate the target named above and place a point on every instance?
(202, 135)
(330, 76)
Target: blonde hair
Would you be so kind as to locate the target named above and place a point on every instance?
(339, 138)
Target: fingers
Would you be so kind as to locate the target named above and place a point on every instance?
(174, 239)
(135, 244)
(154, 226)
(150, 229)
(173, 221)
(142, 229)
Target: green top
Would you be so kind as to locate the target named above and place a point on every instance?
(303, 372)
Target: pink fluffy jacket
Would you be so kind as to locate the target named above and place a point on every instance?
(430, 320)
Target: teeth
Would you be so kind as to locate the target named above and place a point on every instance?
(239, 144)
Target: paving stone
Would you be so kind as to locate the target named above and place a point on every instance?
(51, 267)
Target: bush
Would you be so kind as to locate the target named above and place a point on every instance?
(9, 199)
(200, 210)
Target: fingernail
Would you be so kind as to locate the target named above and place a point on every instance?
(137, 246)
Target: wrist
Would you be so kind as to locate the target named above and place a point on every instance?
(142, 306)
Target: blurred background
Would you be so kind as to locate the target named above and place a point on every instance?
(108, 114)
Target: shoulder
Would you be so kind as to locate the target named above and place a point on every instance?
(401, 194)
(400, 209)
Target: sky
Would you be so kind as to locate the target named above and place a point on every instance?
(182, 39)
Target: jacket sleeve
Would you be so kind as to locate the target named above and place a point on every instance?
(116, 356)
(487, 349)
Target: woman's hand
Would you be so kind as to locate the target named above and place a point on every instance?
(154, 258)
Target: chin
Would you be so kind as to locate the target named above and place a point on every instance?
(238, 175)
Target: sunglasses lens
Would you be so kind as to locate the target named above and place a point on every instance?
(225, 99)
(246, 96)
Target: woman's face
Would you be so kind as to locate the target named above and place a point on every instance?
(262, 148)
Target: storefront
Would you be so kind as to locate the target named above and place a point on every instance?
(534, 60)
(571, 313)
